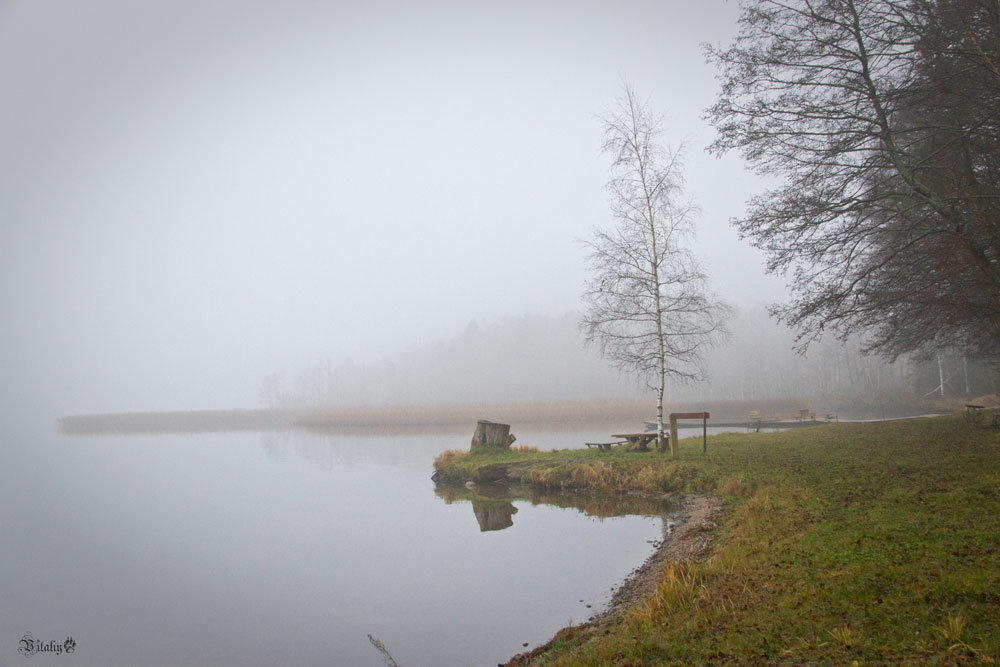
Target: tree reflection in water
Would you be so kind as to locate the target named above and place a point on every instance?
(493, 514)
(493, 504)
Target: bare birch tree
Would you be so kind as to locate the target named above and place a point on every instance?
(647, 304)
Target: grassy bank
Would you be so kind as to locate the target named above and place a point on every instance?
(841, 543)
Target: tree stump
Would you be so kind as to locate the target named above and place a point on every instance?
(494, 514)
(491, 434)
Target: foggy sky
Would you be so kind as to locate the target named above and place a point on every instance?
(194, 194)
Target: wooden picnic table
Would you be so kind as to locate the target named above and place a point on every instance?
(639, 441)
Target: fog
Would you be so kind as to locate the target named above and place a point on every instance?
(195, 195)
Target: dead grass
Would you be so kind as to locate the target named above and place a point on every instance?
(678, 592)
(448, 456)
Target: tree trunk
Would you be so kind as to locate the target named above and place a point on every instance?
(491, 434)
(940, 374)
(965, 373)
(661, 443)
(673, 437)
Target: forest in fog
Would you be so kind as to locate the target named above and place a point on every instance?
(539, 357)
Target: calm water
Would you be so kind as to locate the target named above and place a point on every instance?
(288, 548)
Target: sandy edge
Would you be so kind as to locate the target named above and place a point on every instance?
(688, 541)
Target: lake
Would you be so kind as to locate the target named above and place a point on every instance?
(291, 548)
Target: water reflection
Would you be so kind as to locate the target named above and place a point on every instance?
(330, 451)
(494, 514)
(493, 504)
(175, 547)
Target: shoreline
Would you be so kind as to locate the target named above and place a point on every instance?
(814, 559)
(406, 419)
(688, 541)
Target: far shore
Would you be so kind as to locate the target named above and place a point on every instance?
(448, 418)
(393, 419)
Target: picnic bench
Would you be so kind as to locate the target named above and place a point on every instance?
(640, 441)
(604, 445)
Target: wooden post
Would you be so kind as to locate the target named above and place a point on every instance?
(673, 436)
(704, 434)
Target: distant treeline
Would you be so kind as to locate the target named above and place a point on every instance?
(542, 358)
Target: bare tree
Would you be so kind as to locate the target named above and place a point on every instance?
(647, 304)
(882, 118)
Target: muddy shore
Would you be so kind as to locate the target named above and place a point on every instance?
(688, 540)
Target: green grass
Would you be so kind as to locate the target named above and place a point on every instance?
(844, 543)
